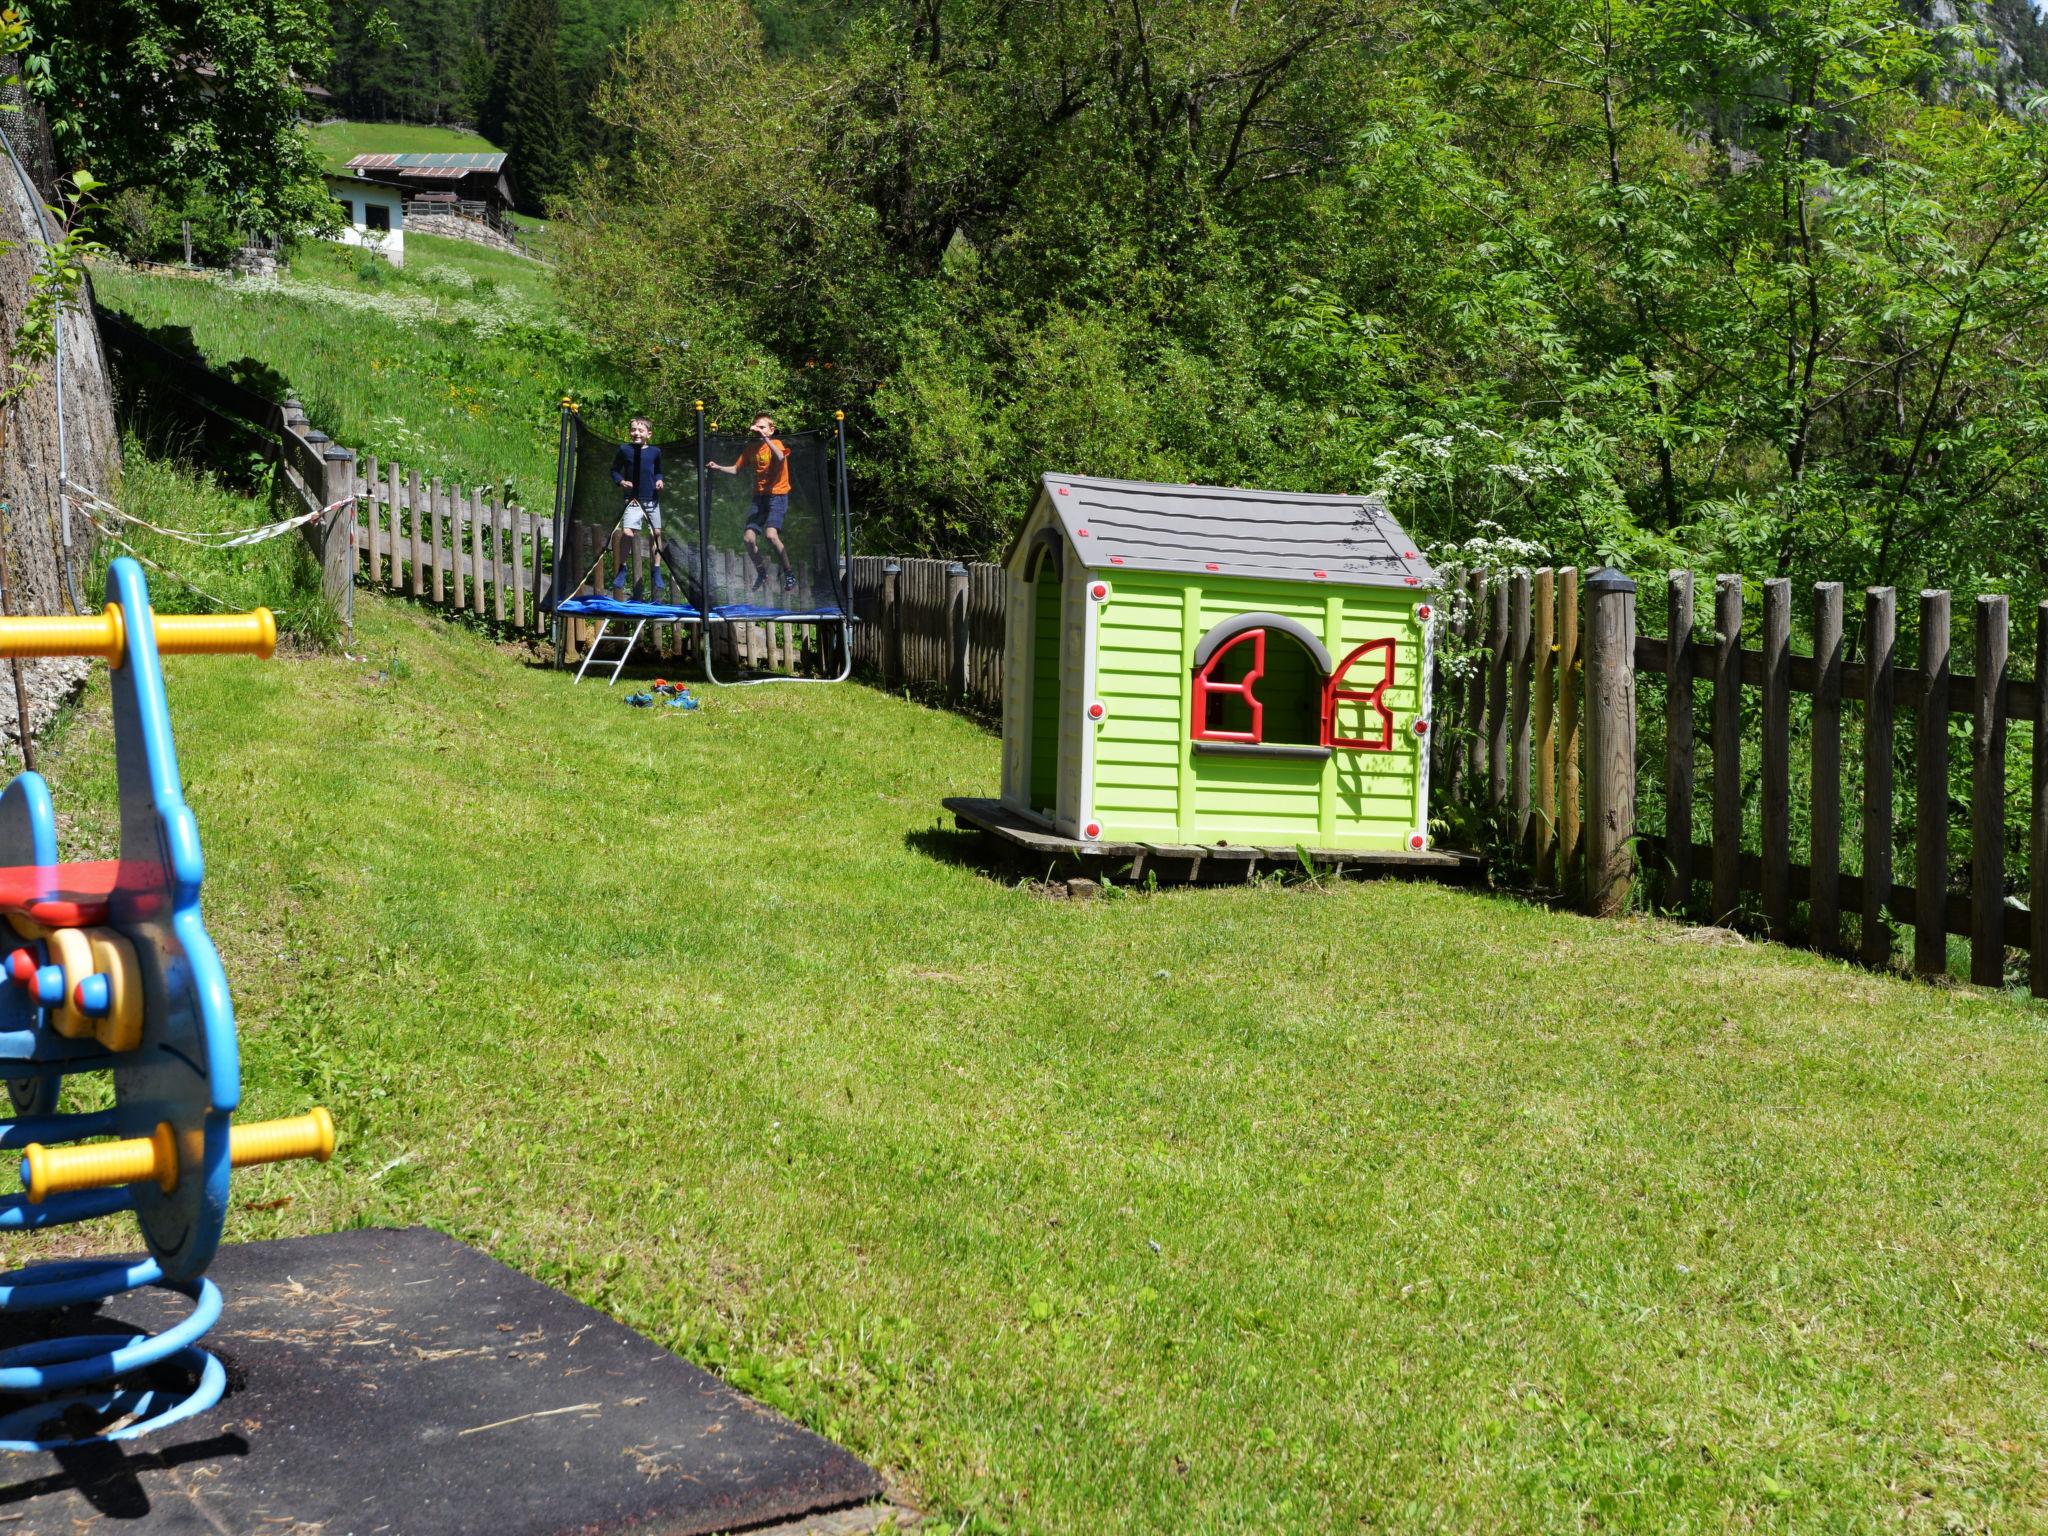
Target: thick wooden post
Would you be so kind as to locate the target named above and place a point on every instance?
(956, 633)
(1497, 697)
(1727, 742)
(1518, 708)
(1987, 797)
(334, 529)
(1678, 680)
(1776, 810)
(1880, 636)
(2037, 866)
(1824, 896)
(1930, 792)
(1475, 689)
(1544, 703)
(1610, 740)
(1570, 690)
(892, 625)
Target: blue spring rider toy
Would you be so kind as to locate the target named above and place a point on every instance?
(111, 970)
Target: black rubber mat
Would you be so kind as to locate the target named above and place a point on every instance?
(398, 1383)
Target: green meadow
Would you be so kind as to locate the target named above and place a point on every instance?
(340, 142)
(1292, 1207)
(455, 365)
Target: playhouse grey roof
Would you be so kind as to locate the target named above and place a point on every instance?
(1206, 529)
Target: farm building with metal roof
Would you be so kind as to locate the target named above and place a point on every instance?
(473, 178)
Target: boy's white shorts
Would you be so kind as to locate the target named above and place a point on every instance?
(637, 511)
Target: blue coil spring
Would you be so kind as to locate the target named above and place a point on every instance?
(82, 1372)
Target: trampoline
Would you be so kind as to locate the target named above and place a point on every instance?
(700, 570)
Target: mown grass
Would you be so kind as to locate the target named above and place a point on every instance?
(340, 142)
(455, 365)
(1303, 1209)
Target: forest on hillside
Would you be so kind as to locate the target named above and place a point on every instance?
(1643, 281)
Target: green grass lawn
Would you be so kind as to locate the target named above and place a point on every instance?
(338, 143)
(454, 365)
(1373, 1206)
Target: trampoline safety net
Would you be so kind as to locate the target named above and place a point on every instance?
(771, 554)
(596, 557)
(732, 546)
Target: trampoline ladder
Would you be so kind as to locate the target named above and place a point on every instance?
(626, 642)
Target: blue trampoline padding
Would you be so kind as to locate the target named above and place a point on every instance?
(614, 608)
(760, 611)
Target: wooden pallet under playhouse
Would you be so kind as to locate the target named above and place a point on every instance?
(1027, 845)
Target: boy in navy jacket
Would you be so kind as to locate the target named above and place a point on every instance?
(636, 471)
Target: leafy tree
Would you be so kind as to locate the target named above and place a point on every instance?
(204, 94)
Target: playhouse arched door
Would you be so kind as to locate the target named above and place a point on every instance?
(1042, 719)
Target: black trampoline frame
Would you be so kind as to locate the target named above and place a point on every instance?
(839, 526)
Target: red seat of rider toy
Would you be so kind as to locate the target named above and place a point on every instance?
(61, 895)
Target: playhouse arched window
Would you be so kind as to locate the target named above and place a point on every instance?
(1355, 713)
(1259, 685)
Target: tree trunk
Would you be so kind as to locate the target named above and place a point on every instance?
(34, 455)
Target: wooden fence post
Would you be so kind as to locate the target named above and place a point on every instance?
(2037, 867)
(1518, 709)
(1775, 841)
(334, 529)
(1930, 809)
(372, 478)
(956, 633)
(1544, 704)
(394, 495)
(1987, 797)
(1475, 690)
(1727, 744)
(1824, 894)
(892, 625)
(1610, 740)
(1570, 690)
(1497, 698)
(1880, 635)
(476, 548)
(1678, 713)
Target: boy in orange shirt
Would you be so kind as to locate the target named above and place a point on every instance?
(768, 457)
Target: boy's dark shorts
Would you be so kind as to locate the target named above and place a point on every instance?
(769, 511)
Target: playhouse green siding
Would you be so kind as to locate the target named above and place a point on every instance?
(1153, 783)
(1136, 774)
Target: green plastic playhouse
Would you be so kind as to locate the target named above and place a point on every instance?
(1190, 664)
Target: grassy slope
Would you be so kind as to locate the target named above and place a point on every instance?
(454, 365)
(339, 143)
(1214, 1210)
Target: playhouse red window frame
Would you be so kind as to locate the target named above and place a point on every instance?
(1334, 693)
(1205, 686)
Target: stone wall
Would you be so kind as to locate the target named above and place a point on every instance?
(456, 227)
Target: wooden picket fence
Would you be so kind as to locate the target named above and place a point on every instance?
(1542, 732)
(932, 626)
(456, 547)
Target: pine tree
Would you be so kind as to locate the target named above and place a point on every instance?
(525, 111)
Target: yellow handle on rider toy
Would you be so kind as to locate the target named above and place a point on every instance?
(105, 634)
(103, 1165)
